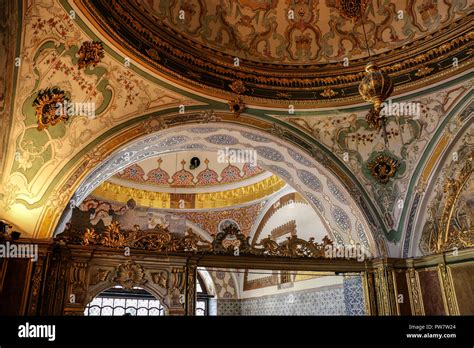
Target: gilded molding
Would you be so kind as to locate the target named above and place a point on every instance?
(230, 241)
(447, 290)
(210, 200)
(446, 229)
(414, 291)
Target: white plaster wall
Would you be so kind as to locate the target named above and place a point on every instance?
(308, 223)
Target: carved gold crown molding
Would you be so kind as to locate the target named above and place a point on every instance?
(230, 241)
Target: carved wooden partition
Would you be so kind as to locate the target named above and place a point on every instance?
(66, 277)
(93, 271)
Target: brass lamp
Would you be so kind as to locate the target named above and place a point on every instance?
(375, 88)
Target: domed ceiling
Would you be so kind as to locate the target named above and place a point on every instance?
(177, 181)
(179, 171)
(310, 51)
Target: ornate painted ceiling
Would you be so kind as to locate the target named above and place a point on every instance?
(306, 52)
(176, 171)
(150, 103)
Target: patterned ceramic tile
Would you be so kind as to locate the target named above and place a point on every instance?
(323, 301)
(354, 295)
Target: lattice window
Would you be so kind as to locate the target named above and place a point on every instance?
(118, 302)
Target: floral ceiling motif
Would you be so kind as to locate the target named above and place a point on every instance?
(41, 170)
(90, 53)
(350, 137)
(304, 51)
(267, 31)
(49, 72)
(47, 104)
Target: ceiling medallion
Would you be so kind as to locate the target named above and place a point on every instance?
(236, 106)
(383, 167)
(90, 53)
(48, 104)
(351, 9)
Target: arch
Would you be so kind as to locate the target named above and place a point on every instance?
(227, 221)
(428, 169)
(282, 199)
(436, 178)
(207, 281)
(96, 291)
(305, 166)
(148, 289)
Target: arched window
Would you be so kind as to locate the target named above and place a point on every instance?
(117, 301)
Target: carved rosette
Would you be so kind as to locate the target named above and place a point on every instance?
(328, 93)
(238, 87)
(236, 106)
(351, 9)
(129, 275)
(49, 105)
(383, 167)
(90, 53)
